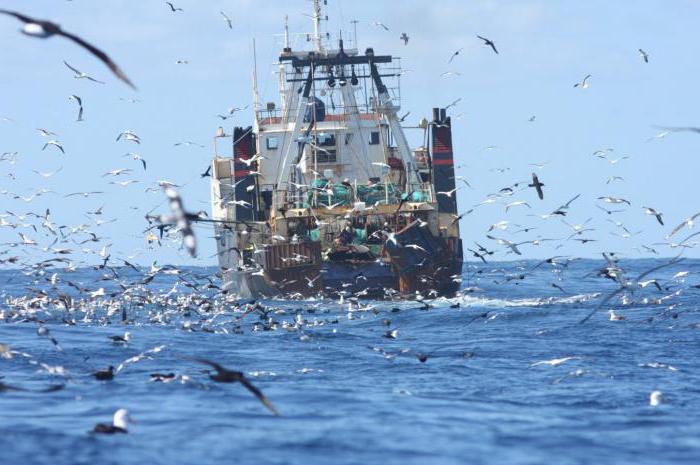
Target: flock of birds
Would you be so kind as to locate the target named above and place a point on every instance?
(126, 287)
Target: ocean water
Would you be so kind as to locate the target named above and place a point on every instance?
(346, 393)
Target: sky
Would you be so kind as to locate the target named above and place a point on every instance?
(545, 47)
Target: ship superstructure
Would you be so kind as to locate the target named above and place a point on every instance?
(323, 195)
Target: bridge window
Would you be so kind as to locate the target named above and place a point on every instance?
(374, 138)
(272, 143)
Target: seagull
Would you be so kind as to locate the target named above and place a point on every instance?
(454, 55)
(188, 143)
(689, 222)
(80, 75)
(44, 29)
(382, 25)
(84, 194)
(182, 219)
(173, 9)
(137, 157)
(117, 172)
(656, 398)
(229, 376)
(555, 361)
(489, 43)
(614, 200)
(46, 132)
(79, 101)
(120, 424)
(47, 175)
(682, 129)
(227, 19)
(449, 193)
(651, 211)
(583, 84)
(537, 185)
(129, 135)
(404, 37)
(56, 144)
(645, 55)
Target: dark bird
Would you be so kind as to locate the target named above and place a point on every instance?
(45, 29)
(489, 43)
(104, 375)
(227, 19)
(404, 37)
(455, 54)
(537, 185)
(119, 425)
(229, 376)
(645, 55)
(207, 173)
(173, 9)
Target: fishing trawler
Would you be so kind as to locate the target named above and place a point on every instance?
(322, 195)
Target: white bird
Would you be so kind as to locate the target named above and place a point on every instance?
(689, 222)
(117, 172)
(615, 317)
(651, 211)
(47, 175)
(583, 84)
(129, 135)
(656, 398)
(416, 247)
(80, 75)
(555, 361)
(79, 101)
(382, 25)
(516, 204)
(56, 144)
(137, 157)
(449, 193)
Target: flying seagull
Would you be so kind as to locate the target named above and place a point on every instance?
(80, 75)
(489, 43)
(404, 37)
(583, 84)
(681, 129)
(45, 29)
(227, 19)
(79, 101)
(651, 211)
(645, 55)
(382, 25)
(173, 9)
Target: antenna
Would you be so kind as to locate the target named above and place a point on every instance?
(286, 31)
(317, 25)
(256, 99)
(354, 24)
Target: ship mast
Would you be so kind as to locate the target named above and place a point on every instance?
(317, 25)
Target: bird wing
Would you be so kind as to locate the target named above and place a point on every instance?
(21, 17)
(261, 397)
(99, 54)
(71, 68)
(214, 365)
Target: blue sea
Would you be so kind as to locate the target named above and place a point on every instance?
(347, 393)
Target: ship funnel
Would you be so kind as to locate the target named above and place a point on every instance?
(443, 160)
